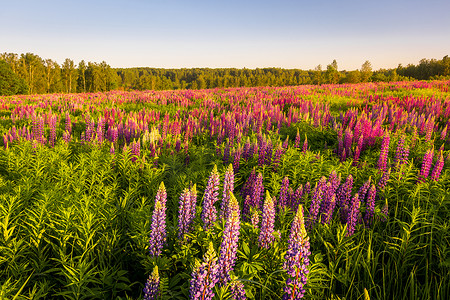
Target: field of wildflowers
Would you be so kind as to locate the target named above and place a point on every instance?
(314, 192)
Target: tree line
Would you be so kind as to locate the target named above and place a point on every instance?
(30, 74)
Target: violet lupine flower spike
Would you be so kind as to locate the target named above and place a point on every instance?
(370, 208)
(297, 258)
(228, 186)
(438, 168)
(382, 162)
(151, 289)
(297, 140)
(237, 290)
(426, 165)
(267, 223)
(315, 201)
(209, 212)
(305, 144)
(384, 179)
(205, 276)
(158, 230)
(228, 248)
(352, 216)
(184, 213)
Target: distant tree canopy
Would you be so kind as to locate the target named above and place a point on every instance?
(30, 74)
(10, 83)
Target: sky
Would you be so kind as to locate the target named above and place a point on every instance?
(228, 33)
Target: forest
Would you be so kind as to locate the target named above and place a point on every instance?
(30, 74)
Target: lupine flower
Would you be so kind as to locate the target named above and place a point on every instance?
(158, 230)
(184, 213)
(307, 190)
(426, 165)
(370, 208)
(297, 197)
(254, 216)
(444, 133)
(237, 159)
(363, 190)
(297, 140)
(112, 150)
(267, 224)
(258, 191)
(315, 202)
(352, 217)
(228, 187)
(277, 157)
(305, 144)
(193, 201)
(226, 154)
(268, 155)
(151, 289)
(343, 196)
(228, 248)
(209, 212)
(284, 192)
(237, 290)
(205, 276)
(382, 161)
(297, 258)
(286, 143)
(384, 179)
(438, 168)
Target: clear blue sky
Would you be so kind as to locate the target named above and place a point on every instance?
(228, 33)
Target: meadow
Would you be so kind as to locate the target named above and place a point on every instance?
(320, 192)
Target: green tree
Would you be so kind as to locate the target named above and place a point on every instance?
(81, 81)
(366, 71)
(332, 73)
(10, 83)
(69, 75)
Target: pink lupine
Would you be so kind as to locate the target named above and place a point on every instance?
(382, 162)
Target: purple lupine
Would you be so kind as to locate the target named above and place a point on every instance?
(258, 191)
(284, 192)
(151, 289)
(296, 199)
(237, 290)
(209, 212)
(269, 152)
(267, 223)
(228, 248)
(193, 201)
(297, 140)
(382, 161)
(226, 154)
(358, 149)
(112, 151)
(364, 189)
(343, 196)
(352, 216)
(158, 230)
(384, 179)
(161, 195)
(438, 168)
(254, 216)
(286, 143)
(307, 189)
(277, 157)
(305, 144)
(228, 187)
(328, 212)
(444, 133)
(370, 206)
(399, 152)
(237, 159)
(262, 154)
(297, 258)
(205, 276)
(184, 213)
(426, 165)
(315, 202)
